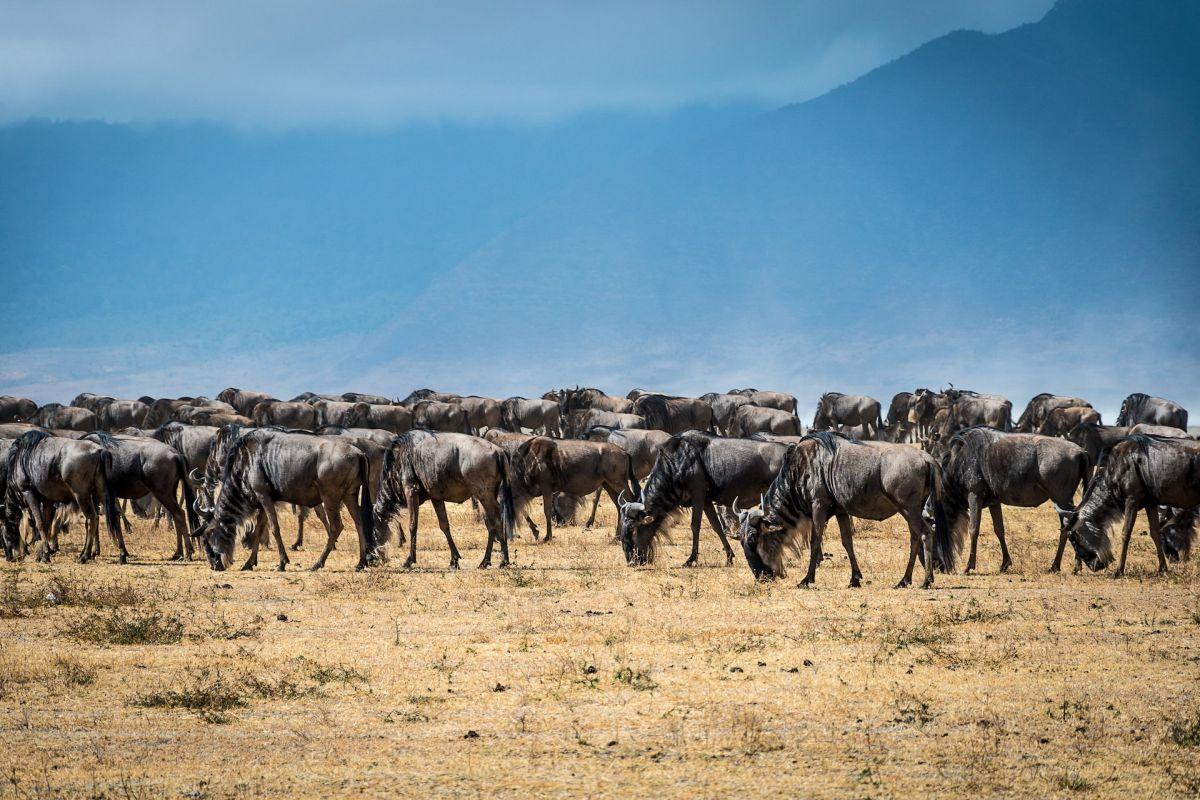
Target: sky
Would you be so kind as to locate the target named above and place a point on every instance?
(370, 63)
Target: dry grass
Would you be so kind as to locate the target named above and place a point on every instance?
(574, 675)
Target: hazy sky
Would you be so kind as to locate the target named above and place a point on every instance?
(367, 62)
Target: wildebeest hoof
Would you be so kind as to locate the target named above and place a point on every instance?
(904, 583)
(1118, 574)
(281, 568)
(297, 547)
(804, 584)
(484, 565)
(728, 559)
(176, 556)
(316, 567)
(855, 583)
(1006, 566)
(1054, 568)
(409, 563)
(691, 562)
(123, 558)
(248, 567)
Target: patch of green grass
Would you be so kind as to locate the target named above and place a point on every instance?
(1073, 782)
(206, 692)
(126, 627)
(635, 679)
(72, 590)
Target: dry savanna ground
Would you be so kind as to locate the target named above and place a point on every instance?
(572, 674)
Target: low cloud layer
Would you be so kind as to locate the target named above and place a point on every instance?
(376, 63)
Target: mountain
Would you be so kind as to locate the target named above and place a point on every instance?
(1014, 210)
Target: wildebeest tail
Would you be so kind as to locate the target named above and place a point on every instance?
(944, 546)
(366, 507)
(108, 497)
(633, 481)
(189, 496)
(508, 508)
(1085, 469)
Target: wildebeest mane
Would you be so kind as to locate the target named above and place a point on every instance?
(1132, 407)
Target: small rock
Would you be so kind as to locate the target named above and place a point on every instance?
(736, 669)
(281, 617)
(499, 687)
(762, 663)
(589, 670)
(470, 735)
(807, 662)
(793, 670)
(613, 743)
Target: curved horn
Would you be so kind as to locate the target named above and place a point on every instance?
(762, 501)
(736, 510)
(195, 474)
(620, 502)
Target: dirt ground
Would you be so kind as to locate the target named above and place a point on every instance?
(572, 674)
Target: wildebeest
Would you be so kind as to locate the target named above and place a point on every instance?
(434, 415)
(540, 416)
(373, 399)
(45, 470)
(922, 410)
(15, 430)
(747, 420)
(695, 470)
(1140, 407)
(243, 400)
(1095, 439)
(836, 410)
(1039, 408)
(16, 409)
(482, 412)
(116, 414)
(1141, 473)
(581, 420)
(674, 414)
(10, 513)
(1159, 430)
(446, 468)
(986, 468)
(1178, 528)
(896, 424)
(312, 397)
(374, 443)
(542, 467)
(1061, 421)
(417, 395)
(142, 467)
(777, 400)
(830, 475)
(641, 446)
(71, 418)
(212, 416)
(338, 412)
(265, 466)
(297, 416)
(163, 410)
(969, 409)
(723, 406)
(578, 398)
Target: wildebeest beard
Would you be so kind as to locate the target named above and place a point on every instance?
(667, 490)
(782, 522)
(234, 505)
(1091, 523)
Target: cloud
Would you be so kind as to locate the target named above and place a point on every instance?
(385, 63)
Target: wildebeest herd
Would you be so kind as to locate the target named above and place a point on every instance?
(216, 469)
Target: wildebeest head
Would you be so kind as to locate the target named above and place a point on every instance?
(762, 542)
(1088, 525)
(637, 528)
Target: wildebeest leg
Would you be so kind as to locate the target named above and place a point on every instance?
(301, 516)
(974, 510)
(439, 508)
(333, 526)
(914, 544)
(714, 519)
(182, 540)
(1130, 518)
(697, 513)
(41, 515)
(595, 504)
(615, 496)
(495, 529)
(260, 525)
(998, 526)
(820, 516)
(847, 531)
(548, 511)
(272, 518)
(412, 498)
(1156, 536)
(920, 530)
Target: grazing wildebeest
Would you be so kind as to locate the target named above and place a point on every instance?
(482, 412)
(1159, 430)
(70, 418)
(1140, 473)
(753, 419)
(695, 470)
(16, 409)
(142, 467)
(581, 420)
(542, 467)
(777, 400)
(296, 416)
(723, 406)
(1140, 407)
(45, 470)
(1097, 439)
(265, 466)
(674, 414)
(578, 398)
(897, 424)
(434, 415)
(446, 468)
(969, 409)
(374, 444)
(243, 400)
(1040, 407)
(417, 395)
(836, 410)
(1061, 421)
(540, 416)
(830, 475)
(509, 442)
(986, 468)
